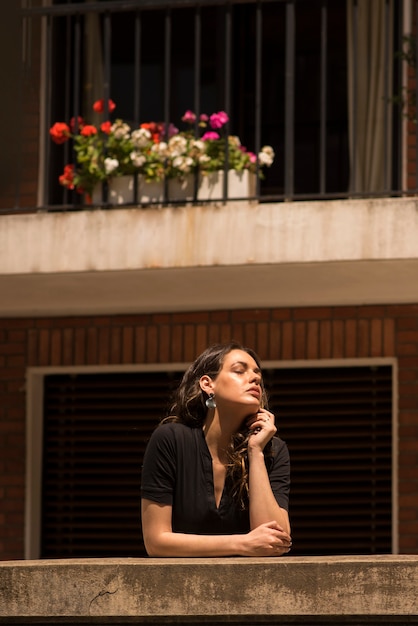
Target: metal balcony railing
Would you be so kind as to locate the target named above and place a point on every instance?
(294, 74)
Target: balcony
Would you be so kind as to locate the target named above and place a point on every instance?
(294, 75)
(316, 590)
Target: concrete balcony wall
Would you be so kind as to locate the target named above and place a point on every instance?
(209, 257)
(315, 590)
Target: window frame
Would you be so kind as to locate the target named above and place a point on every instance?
(34, 428)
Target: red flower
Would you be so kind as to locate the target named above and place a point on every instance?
(80, 123)
(105, 127)
(98, 106)
(156, 130)
(67, 177)
(88, 130)
(60, 132)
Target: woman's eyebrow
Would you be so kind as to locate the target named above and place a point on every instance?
(257, 370)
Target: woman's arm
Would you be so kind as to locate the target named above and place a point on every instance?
(265, 540)
(263, 504)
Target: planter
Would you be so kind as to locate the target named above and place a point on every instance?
(181, 188)
(210, 189)
(150, 191)
(240, 185)
(120, 191)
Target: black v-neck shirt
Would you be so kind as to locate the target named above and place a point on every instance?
(177, 470)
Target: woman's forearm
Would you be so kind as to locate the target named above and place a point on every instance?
(263, 504)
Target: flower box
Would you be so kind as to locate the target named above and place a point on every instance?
(155, 151)
(210, 188)
(240, 185)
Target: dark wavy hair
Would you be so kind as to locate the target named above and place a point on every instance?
(189, 407)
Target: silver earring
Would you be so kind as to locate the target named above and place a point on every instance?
(211, 402)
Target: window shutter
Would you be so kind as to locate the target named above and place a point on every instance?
(336, 421)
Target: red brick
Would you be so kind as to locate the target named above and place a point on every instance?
(262, 339)
(190, 342)
(164, 341)
(287, 341)
(280, 314)
(225, 334)
(115, 345)
(312, 343)
(104, 345)
(67, 346)
(311, 313)
(325, 339)
(299, 340)
(250, 335)
(388, 337)
(80, 346)
(177, 341)
(337, 340)
(350, 338)
(127, 344)
(275, 341)
(363, 338)
(92, 346)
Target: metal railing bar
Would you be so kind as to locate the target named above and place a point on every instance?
(127, 5)
(227, 88)
(323, 97)
(137, 66)
(386, 101)
(353, 157)
(47, 110)
(289, 100)
(258, 86)
(197, 81)
(167, 81)
(416, 102)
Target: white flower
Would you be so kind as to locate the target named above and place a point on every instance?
(160, 149)
(204, 158)
(120, 130)
(140, 137)
(184, 164)
(266, 156)
(137, 158)
(177, 145)
(110, 165)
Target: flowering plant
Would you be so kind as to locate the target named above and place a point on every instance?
(115, 149)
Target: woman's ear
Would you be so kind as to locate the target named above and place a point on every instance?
(206, 384)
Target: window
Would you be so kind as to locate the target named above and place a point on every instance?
(337, 422)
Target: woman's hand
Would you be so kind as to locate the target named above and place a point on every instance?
(263, 429)
(269, 539)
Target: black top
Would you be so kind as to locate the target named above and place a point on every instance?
(178, 471)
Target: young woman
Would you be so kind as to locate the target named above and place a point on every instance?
(215, 479)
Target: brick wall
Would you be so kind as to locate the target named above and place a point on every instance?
(300, 333)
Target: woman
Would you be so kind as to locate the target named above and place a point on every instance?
(215, 480)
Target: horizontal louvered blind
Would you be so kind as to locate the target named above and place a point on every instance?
(336, 422)
(96, 427)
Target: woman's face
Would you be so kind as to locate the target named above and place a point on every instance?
(239, 381)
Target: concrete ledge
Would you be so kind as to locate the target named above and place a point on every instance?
(340, 252)
(314, 590)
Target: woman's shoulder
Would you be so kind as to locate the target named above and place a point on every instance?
(173, 430)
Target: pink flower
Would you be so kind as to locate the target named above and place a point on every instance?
(210, 135)
(204, 117)
(217, 120)
(189, 117)
(253, 157)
